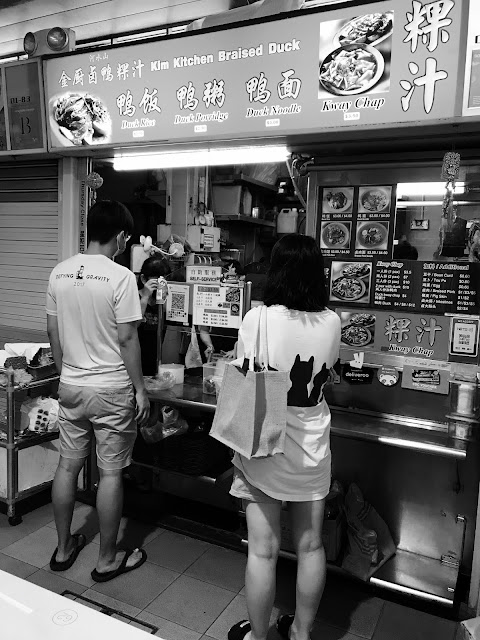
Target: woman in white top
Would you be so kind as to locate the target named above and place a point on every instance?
(303, 338)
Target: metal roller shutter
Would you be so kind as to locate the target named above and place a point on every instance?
(29, 224)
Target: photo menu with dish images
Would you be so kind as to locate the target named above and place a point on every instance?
(434, 287)
(357, 222)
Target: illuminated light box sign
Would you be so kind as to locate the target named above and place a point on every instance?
(22, 123)
(363, 65)
(471, 93)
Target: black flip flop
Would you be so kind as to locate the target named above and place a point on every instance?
(80, 541)
(105, 576)
(239, 630)
(283, 625)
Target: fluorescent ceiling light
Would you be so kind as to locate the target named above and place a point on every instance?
(201, 158)
(430, 203)
(407, 189)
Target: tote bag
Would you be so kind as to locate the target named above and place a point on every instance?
(251, 414)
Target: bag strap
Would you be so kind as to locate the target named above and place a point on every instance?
(253, 351)
(263, 340)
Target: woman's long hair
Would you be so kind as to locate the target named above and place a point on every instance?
(296, 277)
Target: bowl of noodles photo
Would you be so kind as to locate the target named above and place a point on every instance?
(351, 69)
(80, 120)
(375, 200)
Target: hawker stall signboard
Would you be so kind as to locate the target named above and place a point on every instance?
(471, 94)
(22, 122)
(381, 63)
(418, 336)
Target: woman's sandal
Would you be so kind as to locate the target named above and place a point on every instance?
(239, 630)
(105, 576)
(283, 625)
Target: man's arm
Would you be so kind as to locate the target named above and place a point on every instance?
(130, 350)
(54, 337)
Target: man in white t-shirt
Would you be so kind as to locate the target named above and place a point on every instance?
(93, 310)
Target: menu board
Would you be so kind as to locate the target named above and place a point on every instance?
(357, 222)
(295, 75)
(437, 287)
(217, 306)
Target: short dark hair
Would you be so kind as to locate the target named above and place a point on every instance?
(155, 266)
(106, 219)
(296, 277)
(405, 251)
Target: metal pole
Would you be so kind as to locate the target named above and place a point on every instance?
(12, 467)
(160, 328)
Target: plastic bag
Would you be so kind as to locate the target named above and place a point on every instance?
(370, 543)
(39, 415)
(193, 358)
(172, 425)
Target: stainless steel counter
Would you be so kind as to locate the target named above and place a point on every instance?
(431, 438)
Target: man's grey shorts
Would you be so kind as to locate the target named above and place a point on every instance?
(106, 414)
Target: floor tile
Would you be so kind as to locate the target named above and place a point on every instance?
(80, 572)
(31, 522)
(133, 533)
(36, 548)
(168, 630)
(84, 520)
(138, 587)
(174, 551)
(322, 631)
(350, 609)
(54, 583)
(459, 635)
(191, 603)
(402, 623)
(117, 605)
(221, 567)
(16, 567)
(236, 611)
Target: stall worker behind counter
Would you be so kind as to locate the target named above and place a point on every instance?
(151, 270)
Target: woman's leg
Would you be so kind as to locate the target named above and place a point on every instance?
(263, 521)
(307, 521)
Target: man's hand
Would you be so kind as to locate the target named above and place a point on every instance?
(149, 287)
(143, 407)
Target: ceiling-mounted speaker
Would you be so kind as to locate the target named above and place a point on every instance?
(48, 42)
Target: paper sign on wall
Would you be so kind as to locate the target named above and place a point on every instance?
(217, 306)
(177, 303)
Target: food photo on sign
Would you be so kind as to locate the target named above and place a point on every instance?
(372, 235)
(350, 282)
(355, 56)
(358, 328)
(79, 119)
(374, 199)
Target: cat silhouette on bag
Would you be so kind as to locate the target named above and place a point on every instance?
(300, 375)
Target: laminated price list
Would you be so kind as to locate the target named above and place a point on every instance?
(433, 287)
